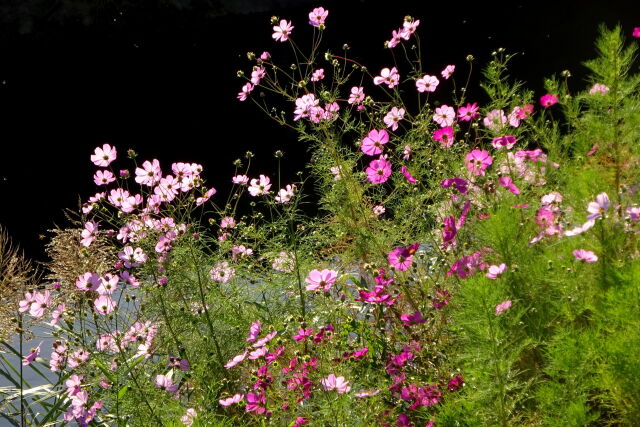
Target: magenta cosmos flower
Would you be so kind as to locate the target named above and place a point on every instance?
(283, 31)
(548, 100)
(104, 156)
(506, 141)
(407, 174)
(401, 258)
(444, 136)
(468, 112)
(321, 279)
(317, 16)
(336, 383)
(373, 142)
(478, 161)
(379, 171)
(584, 255)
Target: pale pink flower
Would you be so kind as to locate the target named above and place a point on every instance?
(257, 75)
(236, 398)
(236, 359)
(104, 304)
(285, 194)
(240, 179)
(205, 197)
(406, 154)
(468, 112)
(283, 31)
(317, 75)
(366, 393)
(395, 39)
(633, 213)
(40, 304)
(584, 255)
(478, 161)
(379, 171)
(356, 96)
(448, 71)
(335, 383)
(89, 233)
(444, 115)
(260, 187)
(336, 171)
(388, 76)
(33, 353)
(88, 282)
(222, 272)
(228, 222)
(378, 210)
(496, 270)
(257, 353)
(284, 262)
(149, 174)
(57, 314)
(393, 117)
(188, 417)
(78, 358)
(503, 306)
(321, 279)
(373, 142)
(103, 177)
(495, 120)
(247, 88)
(581, 228)
(304, 106)
(254, 331)
(409, 27)
(109, 284)
(164, 382)
(104, 156)
(427, 83)
(240, 250)
(317, 16)
(598, 207)
(262, 341)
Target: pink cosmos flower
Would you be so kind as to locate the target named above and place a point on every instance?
(206, 196)
(448, 71)
(401, 258)
(427, 83)
(317, 16)
(228, 222)
(303, 334)
(33, 353)
(246, 90)
(104, 305)
(255, 402)
(104, 156)
(262, 341)
(335, 383)
(283, 31)
(449, 231)
(598, 207)
(222, 272)
(503, 306)
(501, 142)
(357, 95)
(409, 26)
(258, 74)
(584, 255)
(149, 174)
(240, 179)
(406, 154)
(285, 194)
(379, 171)
(88, 282)
(40, 304)
(164, 382)
(305, 105)
(89, 233)
(236, 398)
(548, 100)
(57, 314)
(495, 120)
(284, 262)
(412, 319)
(373, 142)
(444, 115)
(395, 39)
(254, 331)
(407, 174)
(103, 177)
(321, 279)
(393, 117)
(633, 213)
(459, 183)
(237, 359)
(598, 89)
(388, 76)
(366, 393)
(636, 32)
(378, 210)
(188, 417)
(496, 270)
(478, 161)
(444, 136)
(507, 182)
(317, 75)
(258, 353)
(258, 188)
(109, 284)
(468, 112)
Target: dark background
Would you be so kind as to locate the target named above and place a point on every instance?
(160, 77)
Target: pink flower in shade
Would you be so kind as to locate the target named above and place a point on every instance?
(548, 100)
(205, 197)
(321, 279)
(357, 95)
(406, 154)
(33, 353)
(444, 116)
(104, 305)
(412, 319)
(255, 402)
(378, 210)
(478, 161)
(88, 282)
(261, 187)
(240, 179)
(104, 156)
(495, 120)
(373, 142)
(285, 194)
(246, 90)
(501, 142)
(103, 177)
(283, 31)
(393, 117)
(366, 393)
(427, 83)
(598, 207)
(89, 233)
(448, 71)
(188, 417)
(407, 174)
(254, 331)
(149, 174)
(449, 231)
(379, 171)
(237, 359)
(303, 334)
(335, 383)
(467, 265)
(503, 306)
(444, 136)
(468, 112)
(401, 258)
(390, 77)
(317, 75)
(257, 75)
(460, 184)
(633, 213)
(222, 272)
(236, 398)
(598, 89)
(317, 16)
(456, 383)
(441, 299)
(584, 255)
(57, 314)
(228, 222)
(507, 182)
(164, 382)
(496, 270)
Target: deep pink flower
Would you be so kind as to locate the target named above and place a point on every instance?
(388, 76)
(448, 71)
(407, 174)
(449, 230)
(468, 112)
(506, 141)
(456, 383)
(303, 334)
(503, 306)
(335, 383)
(478, 161)
(441, 299)
(317, 16)
(104, 156)
(444, 116)
(496, 270)
(33, 353)
(379, 171)
(255, 402)
(283, 31)
(584, 255)
(393, 117)
(373, 142)
(401, 258)
(412, 319)
(444, 136)
(427, 83)
(507, 182)
(459, 183)
(321, 279)
(548, 100)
